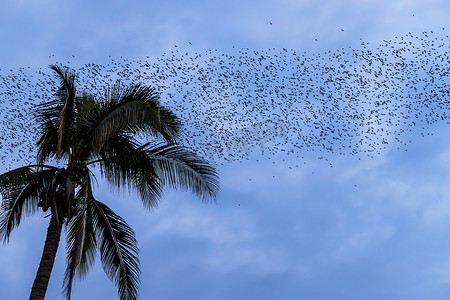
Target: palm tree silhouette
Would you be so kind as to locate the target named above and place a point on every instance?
(80, 131)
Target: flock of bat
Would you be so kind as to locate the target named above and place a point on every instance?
(348, 101)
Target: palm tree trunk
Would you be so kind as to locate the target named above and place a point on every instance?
(48, 258)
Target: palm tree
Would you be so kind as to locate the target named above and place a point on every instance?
(78, 132)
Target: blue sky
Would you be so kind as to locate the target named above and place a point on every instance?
(368, 228)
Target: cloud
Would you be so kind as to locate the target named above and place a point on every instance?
(363, 241)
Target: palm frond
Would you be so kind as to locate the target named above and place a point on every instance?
(53, 107)
(66, 115)
(170, 124)
(118, 250)
(178, 167)
(123, 164)
(81, 243)
(67, 81)
(48, 142)
(86, 104)
(57, 116)
(21, 176)
(15, 177)
(20, 189)
(134, 110)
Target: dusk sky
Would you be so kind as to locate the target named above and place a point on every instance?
(347, 227)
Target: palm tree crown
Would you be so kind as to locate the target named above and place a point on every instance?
(78, 131)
